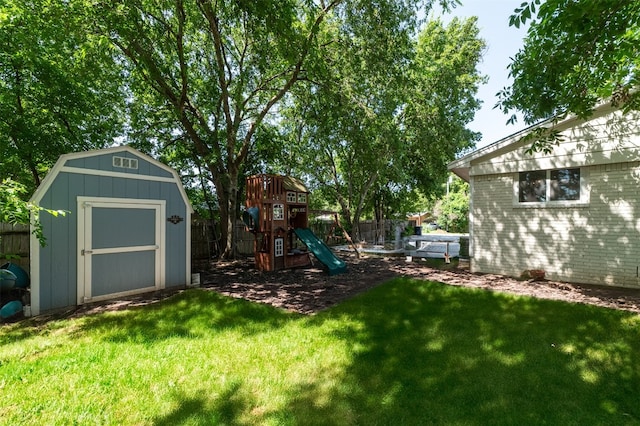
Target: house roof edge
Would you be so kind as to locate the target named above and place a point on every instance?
(461, 165)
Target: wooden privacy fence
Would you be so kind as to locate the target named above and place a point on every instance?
(204, 236)
(14, 245)
(368, 231)
(14, 239)
(204, 240)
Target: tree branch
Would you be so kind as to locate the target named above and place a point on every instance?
(289, 83)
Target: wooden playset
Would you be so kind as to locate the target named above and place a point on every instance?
(277, 206)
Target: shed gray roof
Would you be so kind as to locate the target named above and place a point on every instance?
(62, 161)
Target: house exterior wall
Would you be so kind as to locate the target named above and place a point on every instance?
(597, 243)
(57, 262)
(594, 241)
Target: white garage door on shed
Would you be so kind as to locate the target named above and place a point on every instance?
(121, 247)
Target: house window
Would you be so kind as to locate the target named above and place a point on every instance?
(564, 185)
(302, 198)
(533, 187)
(291, 197)
(541, 186)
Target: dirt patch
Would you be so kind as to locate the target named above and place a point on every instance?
(311, 290)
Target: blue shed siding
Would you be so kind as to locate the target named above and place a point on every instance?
(58, 259)
(175, 249)
(58, 263)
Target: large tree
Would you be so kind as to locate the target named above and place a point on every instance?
(444, 82)
(59, 90)
(343, 127)
(576, 53)
(392, 127)
(208, 73)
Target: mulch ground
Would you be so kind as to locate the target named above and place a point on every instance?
(310, 290)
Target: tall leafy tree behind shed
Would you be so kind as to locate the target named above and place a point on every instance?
(209, 73)
(59, 89)
(388, 127)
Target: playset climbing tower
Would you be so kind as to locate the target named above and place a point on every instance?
(276, 207)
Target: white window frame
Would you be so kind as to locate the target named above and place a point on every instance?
(278, 212)
(125, 162)
(585, 190)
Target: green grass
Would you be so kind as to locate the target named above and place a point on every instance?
(408, 352)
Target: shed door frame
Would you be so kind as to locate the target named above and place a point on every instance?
(85, 206)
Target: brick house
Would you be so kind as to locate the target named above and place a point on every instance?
(574, 212)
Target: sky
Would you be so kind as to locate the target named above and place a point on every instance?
(502, 42)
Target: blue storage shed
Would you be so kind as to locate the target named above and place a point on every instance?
(127, 229)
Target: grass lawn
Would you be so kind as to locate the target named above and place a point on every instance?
(406, 353)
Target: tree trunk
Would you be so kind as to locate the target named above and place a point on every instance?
(378, 209)
(355, 229)
(227, 191)
(347, 236)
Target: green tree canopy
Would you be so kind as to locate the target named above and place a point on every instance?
(452, 209)
(442, 99)
(576, 53)
(391, 127)
(59, 88)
